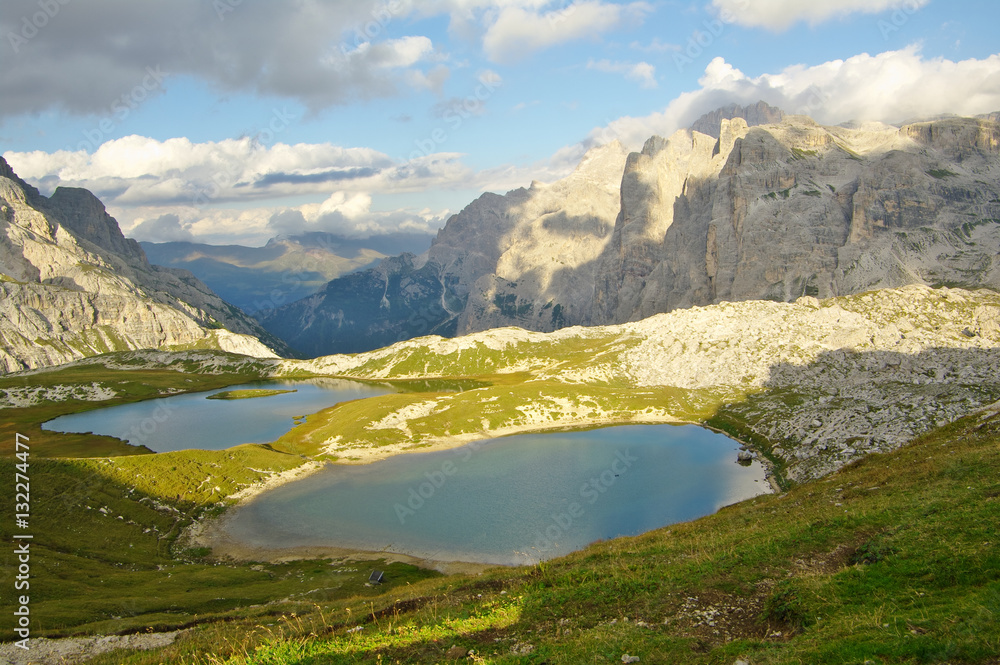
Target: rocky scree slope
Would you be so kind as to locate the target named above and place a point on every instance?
(773, 211)
(823, 381)
(71, 285)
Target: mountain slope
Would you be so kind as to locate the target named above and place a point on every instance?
(72, 285)
(773, 211)
(823, 382)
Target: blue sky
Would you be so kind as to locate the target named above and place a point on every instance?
(234, 120)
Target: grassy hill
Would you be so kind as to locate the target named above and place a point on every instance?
(891, 560)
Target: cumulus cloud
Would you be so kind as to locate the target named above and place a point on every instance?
(231, 191)
(351, 215)
(137, 170)
(516, 30)
(347, 215)
(891, 87)
(781, 14)
(165, 228)
(320, 54)
(641, 72)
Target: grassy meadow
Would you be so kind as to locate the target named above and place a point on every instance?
(893, 559)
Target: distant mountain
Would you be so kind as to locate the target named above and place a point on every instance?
(285, 269)
(71, 285)
(776, 211)
(401, 298)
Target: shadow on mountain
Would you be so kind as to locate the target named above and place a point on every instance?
(816, 417)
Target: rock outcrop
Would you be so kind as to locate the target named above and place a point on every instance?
(760, 113)
(71, 285)
(776, 211)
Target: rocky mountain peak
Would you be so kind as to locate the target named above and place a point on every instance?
(749, 204)
(26, 190)
(5, 170)
(83, 213)
(760, 113)
(602, 164)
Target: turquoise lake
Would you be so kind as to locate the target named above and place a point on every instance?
(517, 499)
(190, 420)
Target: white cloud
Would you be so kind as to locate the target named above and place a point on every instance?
(137, 170)
(641, 72)
(892, 87)
(165, 228)
(781, 14)
(351, 215)
(517, 31)
(231, 191)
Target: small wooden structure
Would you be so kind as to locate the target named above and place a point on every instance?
(376, 577)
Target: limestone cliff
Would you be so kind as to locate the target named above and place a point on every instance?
(791, 209)
(774, 211)
(71, 285)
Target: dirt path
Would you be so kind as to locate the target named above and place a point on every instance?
(43, 651)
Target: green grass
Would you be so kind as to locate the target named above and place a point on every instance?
(941, 174)
(891, 560)
(251, 393)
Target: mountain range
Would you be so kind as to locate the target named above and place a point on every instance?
(285, 269)
(769, 206)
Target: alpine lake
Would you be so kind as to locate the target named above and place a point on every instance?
(512, 500)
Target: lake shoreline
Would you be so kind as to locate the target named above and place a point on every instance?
(210, 532)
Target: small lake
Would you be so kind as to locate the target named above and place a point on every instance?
(191, 420)
(512, 500)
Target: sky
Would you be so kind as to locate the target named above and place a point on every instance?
(234, 121)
